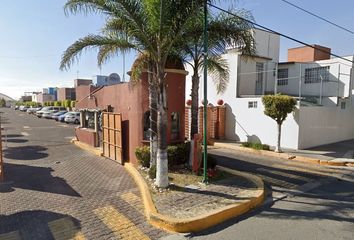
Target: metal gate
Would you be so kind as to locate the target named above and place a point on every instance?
(112, 136)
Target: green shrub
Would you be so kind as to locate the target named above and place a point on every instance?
(143, 155)
(178, 154)
(152, 172)
(257, 146)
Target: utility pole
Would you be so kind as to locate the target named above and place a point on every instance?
(205, 141)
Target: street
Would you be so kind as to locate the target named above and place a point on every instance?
(54, 190)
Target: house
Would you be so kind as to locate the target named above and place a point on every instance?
(323, 87)
(131, 101)
(66, 94)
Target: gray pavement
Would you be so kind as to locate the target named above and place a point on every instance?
(304, 202)
(54, 190)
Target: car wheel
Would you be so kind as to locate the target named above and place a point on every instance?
(76, 121)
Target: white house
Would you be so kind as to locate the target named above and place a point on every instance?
(322, 86)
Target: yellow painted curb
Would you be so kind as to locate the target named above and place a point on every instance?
(200, 222)
(282, 155)
(87, 147)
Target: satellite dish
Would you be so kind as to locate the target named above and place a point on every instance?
(113, 78)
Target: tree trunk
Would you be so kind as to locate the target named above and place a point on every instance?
(153, 117)
(162, 161)
(278, 149)
(195, 104)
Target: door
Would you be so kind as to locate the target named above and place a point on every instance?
(112, 136)
(259, 78)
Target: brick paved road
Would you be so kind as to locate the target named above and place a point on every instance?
(53, 190)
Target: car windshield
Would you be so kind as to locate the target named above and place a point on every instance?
(45, 108)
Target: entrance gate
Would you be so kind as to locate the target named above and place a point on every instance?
(112, 136)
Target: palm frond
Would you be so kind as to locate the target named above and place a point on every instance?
(73, 52)
(219, 71)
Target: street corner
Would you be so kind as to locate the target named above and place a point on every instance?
(193, 213)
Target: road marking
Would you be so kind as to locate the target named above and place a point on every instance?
(120, 225)
(133, 200)
(26, 127)
(25, 133)
(64, 228)
(15, 235)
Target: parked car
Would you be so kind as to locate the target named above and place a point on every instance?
(49, 114)
(23, 108)
(55, 116)
(72, 117)
(61, 118)
(47, 109)
(16, 107)
(32, 110)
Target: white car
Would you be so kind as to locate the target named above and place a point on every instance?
(48, 114)
(72, 117)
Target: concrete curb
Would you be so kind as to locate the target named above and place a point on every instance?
(87, 147)
(282, 155)
(201, 222)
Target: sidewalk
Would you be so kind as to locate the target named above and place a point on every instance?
(336, 154)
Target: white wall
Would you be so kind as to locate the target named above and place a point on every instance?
(267, 44)
(340, 82)
(323, 125)
(250, 124)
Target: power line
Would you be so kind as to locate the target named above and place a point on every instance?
(280, 34)
(319, 17)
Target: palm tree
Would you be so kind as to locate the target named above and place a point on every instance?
(224, 30)
(150, 26)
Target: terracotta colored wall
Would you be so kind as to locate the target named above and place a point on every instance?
(87, 136)
(132, 102)
(84, 91)
(308, 54)
(65, 93)
(176, 103)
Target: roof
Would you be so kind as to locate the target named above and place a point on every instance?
(7, 98)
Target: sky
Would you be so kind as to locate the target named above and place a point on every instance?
(34, 34)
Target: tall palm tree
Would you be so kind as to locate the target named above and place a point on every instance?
(223, 31)
(151, 26)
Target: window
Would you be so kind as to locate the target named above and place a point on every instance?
(283, 75)
(252, 104)
(146, 135)
(316, 75)
(342, 105)
(259, 78)
(89, 120)
(175, 126)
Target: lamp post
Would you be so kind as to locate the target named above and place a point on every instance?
(205, 143)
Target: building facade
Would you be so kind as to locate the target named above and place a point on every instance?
(66, 94)
(323, 88)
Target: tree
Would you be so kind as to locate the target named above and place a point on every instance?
(72, 104)
(146, 26)
(57, 103)
(2, 102)
(67, 103)
(278, 107)
(224, 30)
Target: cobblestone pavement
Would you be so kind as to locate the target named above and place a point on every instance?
(54, 190)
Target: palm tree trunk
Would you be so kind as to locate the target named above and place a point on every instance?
(278, 149)
(195, 104)
(161, 161)
(153, 117)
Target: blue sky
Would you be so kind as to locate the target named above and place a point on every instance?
(33, 35)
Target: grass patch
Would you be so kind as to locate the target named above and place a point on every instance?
(256, 146)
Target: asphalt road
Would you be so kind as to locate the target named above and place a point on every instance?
(304, 202)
